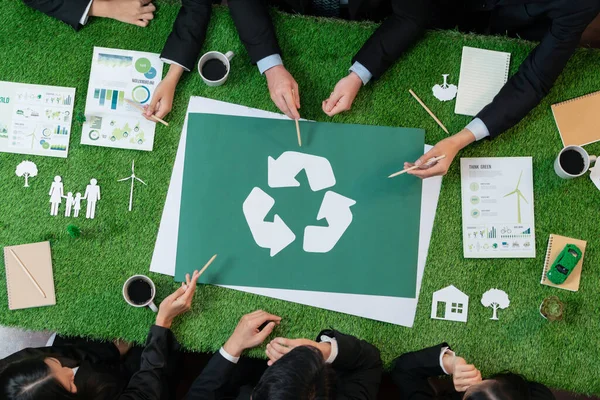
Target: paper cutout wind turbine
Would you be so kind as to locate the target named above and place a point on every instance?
(133, 179)
(517, 191)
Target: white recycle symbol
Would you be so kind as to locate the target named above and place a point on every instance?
(335, 208)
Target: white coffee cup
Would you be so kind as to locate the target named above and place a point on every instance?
(587, 159)
(224, 58)
(147, 303)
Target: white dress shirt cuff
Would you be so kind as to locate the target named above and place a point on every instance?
(362, 72)
(228, 356)
(478, 128)
(167, 61)
(84, 17)
(445, 350)
(269, 62)
(334, 348)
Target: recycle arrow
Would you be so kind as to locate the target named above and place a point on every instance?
(275, 235)
(283, 171)
(335, 208)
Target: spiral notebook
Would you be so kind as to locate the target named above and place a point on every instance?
(21, 288)
(578, 119)
(482, 75)
(556, 244)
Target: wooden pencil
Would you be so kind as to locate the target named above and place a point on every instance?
(207, 264)
(428, 111)
(429, 162)
(37, 285)
(298, 133)
(139, 107)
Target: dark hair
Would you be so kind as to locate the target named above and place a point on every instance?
(301, 374)
(31, 379)
(505, 386)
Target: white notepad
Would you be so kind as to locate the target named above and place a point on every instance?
(482, 75)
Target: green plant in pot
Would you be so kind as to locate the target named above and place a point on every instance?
(552, 309)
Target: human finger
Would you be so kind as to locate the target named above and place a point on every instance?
(282, 105)
(141, 23)
(279, 348)
(146, 16)
(150, 108)
(144, 2)
(262, 335)
(274, 353)
(163, 109)
(291, 104)
(436, 170)
(148, 8)
(191, 286)
(332, 101)
(176, 294)
(342, 105)
(296, 95)
(263, 316)
(427, 156)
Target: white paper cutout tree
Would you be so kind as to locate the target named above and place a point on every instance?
(496, 299)
(445, 92)
(28, 170)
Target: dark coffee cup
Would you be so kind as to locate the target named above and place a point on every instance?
(139, 291)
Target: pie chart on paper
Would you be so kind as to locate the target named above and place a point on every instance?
(141, 94)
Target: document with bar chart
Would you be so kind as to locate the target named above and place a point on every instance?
(117, 75)
(35, 119)
(497, 207)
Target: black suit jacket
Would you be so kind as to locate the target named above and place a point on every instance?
(68, 11)
(189, 31)
(402, 27)
(358, 369)
(411, 372)
(567, 20)
(101, 362)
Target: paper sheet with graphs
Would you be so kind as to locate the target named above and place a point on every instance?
(117, 75)
(497, 207)
(35, 119)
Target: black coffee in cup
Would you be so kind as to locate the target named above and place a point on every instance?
(139, 291)
(214, 69)
(572, 162)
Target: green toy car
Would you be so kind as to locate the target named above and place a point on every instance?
(564, 264)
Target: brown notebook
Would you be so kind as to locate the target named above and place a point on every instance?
(556, 244)
(22, 291)
(578, 119)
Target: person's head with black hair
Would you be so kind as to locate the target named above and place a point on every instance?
(37, 378)
(301, 374)
(505, 386)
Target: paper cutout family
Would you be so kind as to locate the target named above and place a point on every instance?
(26, 169)
(73, 203)
(276, 235)
(451, 304)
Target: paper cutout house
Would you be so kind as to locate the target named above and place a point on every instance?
(450, 304)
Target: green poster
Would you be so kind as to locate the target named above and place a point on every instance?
(321, 217)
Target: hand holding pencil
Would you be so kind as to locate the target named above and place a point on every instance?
(443, 152)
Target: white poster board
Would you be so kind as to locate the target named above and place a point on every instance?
(395, 310)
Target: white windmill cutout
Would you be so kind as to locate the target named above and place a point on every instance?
(520, 196)
(133, 178)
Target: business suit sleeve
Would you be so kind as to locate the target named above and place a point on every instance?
(411, 371)
(95, 353)
(148, 382)
(255, 28)
(541, 68)
(68, 11)
(212, 381)
(394, 36)
(189, 31)
(358, 367)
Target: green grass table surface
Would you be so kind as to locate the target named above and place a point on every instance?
(89, 272)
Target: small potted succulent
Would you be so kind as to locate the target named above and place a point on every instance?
(552, 309)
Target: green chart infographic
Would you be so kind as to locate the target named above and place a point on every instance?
(321, 217)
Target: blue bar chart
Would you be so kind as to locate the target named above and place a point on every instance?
(109, 97)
